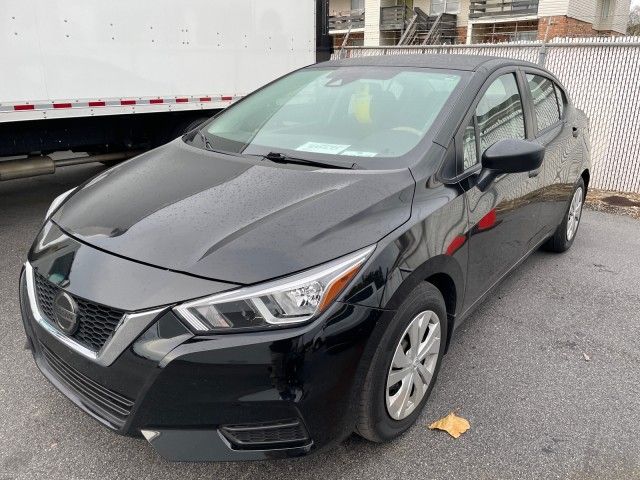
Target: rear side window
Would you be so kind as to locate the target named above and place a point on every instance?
(544, 101)
(499, 114)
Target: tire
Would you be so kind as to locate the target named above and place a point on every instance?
(564, 237)
(375, 421)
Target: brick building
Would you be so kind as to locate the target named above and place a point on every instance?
(389, 22)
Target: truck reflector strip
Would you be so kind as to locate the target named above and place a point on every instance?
(76, 104)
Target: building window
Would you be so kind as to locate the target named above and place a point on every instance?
(357, 4)
(444, 6)
(525, 36)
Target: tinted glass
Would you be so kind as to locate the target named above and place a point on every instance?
(544, 101)
(499, 113)
(561, 99)
(348, 111)
(470, 147)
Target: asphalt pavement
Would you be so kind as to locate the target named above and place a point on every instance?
(547, 371)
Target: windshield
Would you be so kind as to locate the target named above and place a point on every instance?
(361, 112)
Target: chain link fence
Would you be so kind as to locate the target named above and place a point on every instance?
(602, 75)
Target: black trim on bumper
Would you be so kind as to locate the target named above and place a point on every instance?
(109, 405)
(210, 446)
(256, 436)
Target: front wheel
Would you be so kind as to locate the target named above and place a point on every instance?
(404, 369)
(566, 232)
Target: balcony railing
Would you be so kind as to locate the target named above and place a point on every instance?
(395, 18)
(346, 20)
(502, 8)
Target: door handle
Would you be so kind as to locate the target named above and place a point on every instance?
(576, 132)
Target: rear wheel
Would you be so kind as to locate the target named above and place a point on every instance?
(404, 369)
(566, 232)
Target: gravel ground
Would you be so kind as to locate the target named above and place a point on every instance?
(516, 370)
(614, 202)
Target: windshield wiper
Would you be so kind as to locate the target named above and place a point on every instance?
(278, 157)
(205, 140)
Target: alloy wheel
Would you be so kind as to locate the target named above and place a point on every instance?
(575, 212)
(413, 365)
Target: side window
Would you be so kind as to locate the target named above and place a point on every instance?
(499, 114)
(562, 99)
(544, 101)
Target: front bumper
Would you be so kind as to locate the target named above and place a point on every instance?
(185, 393)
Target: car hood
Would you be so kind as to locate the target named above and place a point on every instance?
(226, 218)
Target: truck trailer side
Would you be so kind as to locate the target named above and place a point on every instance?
(113, 78)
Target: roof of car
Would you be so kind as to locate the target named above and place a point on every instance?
(444, 61)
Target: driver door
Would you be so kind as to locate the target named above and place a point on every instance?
(504, 216)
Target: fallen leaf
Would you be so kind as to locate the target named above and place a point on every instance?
(587, 358)
(452, 424)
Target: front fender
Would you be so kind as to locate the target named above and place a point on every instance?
(401, 281)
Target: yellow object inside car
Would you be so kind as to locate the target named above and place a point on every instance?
(362, 104)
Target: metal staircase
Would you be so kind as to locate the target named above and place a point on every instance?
(424, 29)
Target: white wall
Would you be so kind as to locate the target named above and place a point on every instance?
(372, 22)
(621, 18)
(590, 11)
(423, 4)
(463, 16)
(552, 8)
(585, 10)
(339, 6)
(618, 18)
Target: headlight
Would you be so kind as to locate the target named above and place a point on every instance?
(57, 202)
(291, 300)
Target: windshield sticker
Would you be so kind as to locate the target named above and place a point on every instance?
(315, 147)
(357, 153)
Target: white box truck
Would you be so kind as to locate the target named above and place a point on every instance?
(115, 77)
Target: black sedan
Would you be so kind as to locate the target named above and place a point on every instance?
(294, 270)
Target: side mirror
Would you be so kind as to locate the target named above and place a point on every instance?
(513, 156)
(510, 156)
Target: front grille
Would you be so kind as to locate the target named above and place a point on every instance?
(284, 433)
(96, 322)
(106, 403)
